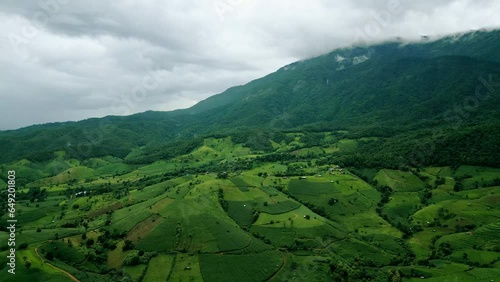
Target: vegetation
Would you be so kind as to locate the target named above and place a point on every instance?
(282, 180)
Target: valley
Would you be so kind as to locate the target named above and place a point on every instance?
(226, 212)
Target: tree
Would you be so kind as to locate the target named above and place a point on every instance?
(27, 264)
(332, 201)
(35, 193)
(50, 255)
(222, 175)
(395, 276)
(23, 246)
(445, 249)
(339, 271)
(129, 245)
(90, 242)
(458, 186)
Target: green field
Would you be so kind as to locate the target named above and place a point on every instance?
(254, 223)
(257, 267)
(159, 268)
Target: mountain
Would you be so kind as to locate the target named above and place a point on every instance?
(381, 90)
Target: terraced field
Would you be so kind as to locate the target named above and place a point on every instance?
(179, 220)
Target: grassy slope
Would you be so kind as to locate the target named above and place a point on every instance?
(182, 218)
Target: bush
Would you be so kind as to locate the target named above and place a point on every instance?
(23, 246)
(132, 259)
(129, 245)
(49, 256)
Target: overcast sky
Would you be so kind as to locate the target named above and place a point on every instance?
(72, 59)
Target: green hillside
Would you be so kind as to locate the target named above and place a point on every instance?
(369, 163)
(391, 90)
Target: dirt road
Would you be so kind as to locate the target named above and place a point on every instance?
(55, 267)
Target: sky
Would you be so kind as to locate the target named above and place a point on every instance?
(68, 60)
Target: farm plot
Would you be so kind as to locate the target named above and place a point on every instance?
(63, 252)
(186, 268)
(400, 181)
(485, 237)
(194, 225)
(241, 184)
(305, 187)
(255, 267)
(402, 205)
(126, 218)
(159, 268)
(241, 212)
(279, 207)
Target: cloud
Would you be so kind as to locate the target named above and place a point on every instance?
(70, 59)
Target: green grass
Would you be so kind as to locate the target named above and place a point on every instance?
(126, 218)
(241, 212)
(27, 217)
(240, 183)
(63, 252)
(351, 195)
(31, 236)
(352, 247)
(307, 268)
(485, 274)
(113, 169)
(402, 205)
(116, 256)
(125, 224)
(257, 267)
(444, 271)
(197, 240)
(314, 151)
(399, 180)
(279, 207)
(485, 237)
(478, 256)
(186, 268)
(155, 168)
(159, 268)
(309, 188)
(295, 219)
(282, 230)
(346, 145)
(135, 271)
(195, 225)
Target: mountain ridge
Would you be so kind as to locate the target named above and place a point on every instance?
(391, 85)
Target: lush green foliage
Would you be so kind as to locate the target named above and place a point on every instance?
(327, 170)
